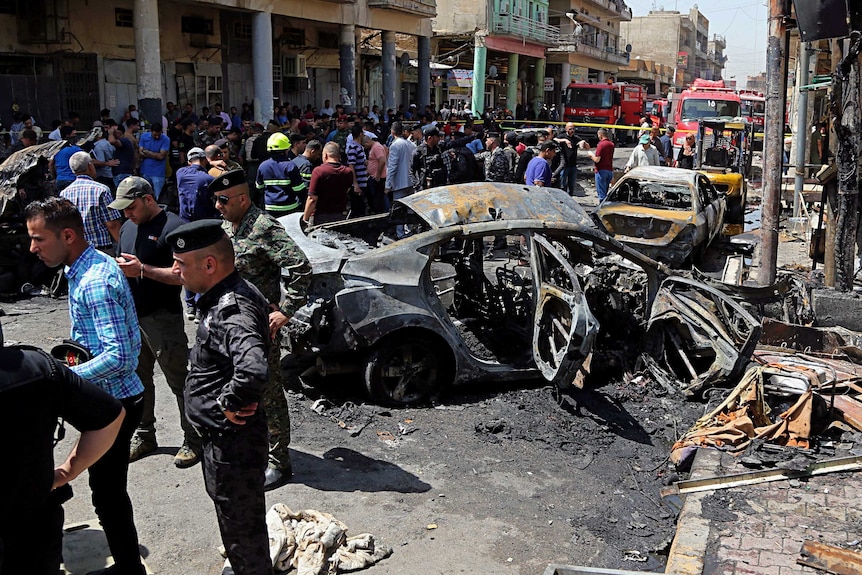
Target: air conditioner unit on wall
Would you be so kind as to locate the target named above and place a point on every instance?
(296, 84)
(294, 66)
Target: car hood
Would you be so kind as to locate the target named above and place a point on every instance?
(644, 225)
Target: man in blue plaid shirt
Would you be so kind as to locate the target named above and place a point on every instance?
(104, 321)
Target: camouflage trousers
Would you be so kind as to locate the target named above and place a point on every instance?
(233, 468)
(275, 405)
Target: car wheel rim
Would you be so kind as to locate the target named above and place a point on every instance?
(408, 373)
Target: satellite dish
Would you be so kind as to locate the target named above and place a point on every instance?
(492, 71)
(628, 48)
(405, 59)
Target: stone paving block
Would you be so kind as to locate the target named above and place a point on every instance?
(790, 570)
(740, 556)
(750, 542)
(776, 559)
(721, 568)
(791, 544)
(757, 570)
(797, 508)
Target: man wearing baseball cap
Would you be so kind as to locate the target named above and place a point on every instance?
(146, 260)
(643, 154)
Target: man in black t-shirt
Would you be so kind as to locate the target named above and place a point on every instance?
(31, 488)
(146, 260)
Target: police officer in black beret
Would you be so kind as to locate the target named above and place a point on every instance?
(32, 489)
(227, 376)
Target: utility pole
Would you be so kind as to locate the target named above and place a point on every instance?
(801, 126)
(773, 138)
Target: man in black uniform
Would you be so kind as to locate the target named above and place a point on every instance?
(228, 374)
(146, 261)
(32, 490)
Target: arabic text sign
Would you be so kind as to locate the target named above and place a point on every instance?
(461, 78)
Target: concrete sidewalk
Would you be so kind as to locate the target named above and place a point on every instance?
(759, 529)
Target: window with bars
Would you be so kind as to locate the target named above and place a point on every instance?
(124, 18)
(242, 30)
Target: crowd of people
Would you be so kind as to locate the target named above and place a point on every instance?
(137, 270)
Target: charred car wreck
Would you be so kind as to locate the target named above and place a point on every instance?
(433, 308)
(22, 180)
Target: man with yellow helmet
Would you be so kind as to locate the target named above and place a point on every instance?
(280, 180)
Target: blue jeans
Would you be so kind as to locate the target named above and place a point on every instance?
(119, 178)
(157, 183)
(568, 177)
(603, 182)
(401, 231)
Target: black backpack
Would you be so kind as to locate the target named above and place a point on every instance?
(465, 168)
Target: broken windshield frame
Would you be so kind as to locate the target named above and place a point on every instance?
(601, 98)
(652, 194)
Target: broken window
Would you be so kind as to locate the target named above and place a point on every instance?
(652, 194)
(490, 304)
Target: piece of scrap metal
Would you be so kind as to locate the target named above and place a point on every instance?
(556, 569)
(830, 558)
(763, 476)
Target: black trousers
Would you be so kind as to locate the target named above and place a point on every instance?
(32, 543)
(111, 499)
(233, 466)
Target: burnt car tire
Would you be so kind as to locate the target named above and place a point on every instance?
(405, 370)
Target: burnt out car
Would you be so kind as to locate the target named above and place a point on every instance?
(22, 180)
(669, 214)
(412, 315)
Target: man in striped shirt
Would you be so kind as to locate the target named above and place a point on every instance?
(101, 223)
(357, 160)
(104, 321)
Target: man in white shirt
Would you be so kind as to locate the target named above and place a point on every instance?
(643, 154)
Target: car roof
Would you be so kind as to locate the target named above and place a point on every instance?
(662, 174)
(463, 204)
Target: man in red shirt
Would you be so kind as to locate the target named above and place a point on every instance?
(603, 158)
(331, 182)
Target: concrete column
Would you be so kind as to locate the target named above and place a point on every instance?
(601, 77)
(390, 73)
(423, 97)
(565, 80)
(148, 60)
(347, 61)
(512, 83)
(539, 96)
(480, 55)
(261, 49)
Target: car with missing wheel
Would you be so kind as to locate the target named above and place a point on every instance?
(435, 307)
(669, 214)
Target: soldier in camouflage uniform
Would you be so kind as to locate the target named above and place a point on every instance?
(227, 376)
(263, 249)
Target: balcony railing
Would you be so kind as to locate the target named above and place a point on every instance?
(569, 43)
(526, 28)
(426, 8)
(616, 7)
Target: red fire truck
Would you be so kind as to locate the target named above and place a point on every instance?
(617, 103)
(708, 99)
(754, 111)
(658, 111)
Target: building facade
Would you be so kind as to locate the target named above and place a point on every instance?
(59, 56)
(678, 40)
(521, 54)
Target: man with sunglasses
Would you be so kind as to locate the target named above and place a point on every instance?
(263, 249)
(146, 259)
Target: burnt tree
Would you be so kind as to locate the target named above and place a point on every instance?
(847, 123)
